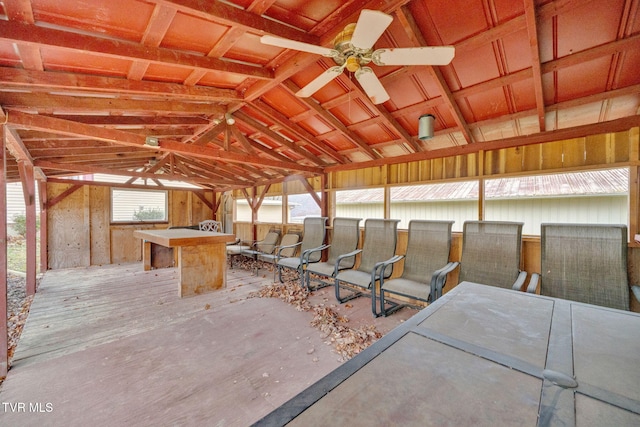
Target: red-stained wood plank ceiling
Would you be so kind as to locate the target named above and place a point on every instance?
(83, 83)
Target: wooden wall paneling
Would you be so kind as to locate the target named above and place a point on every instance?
(450, 167)
(624, 145)
(573, 152)
(100, 209)
(552, 155)
(425, 170)
(414, 171)
(179, 208)
(437, 169)
(243, 231)
(125, 247)
(395, 174)
(597, 149)
(68, 233)
(532, 158)
(199, 209)
(513, 160)
(492, 162)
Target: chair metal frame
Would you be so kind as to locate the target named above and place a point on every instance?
(379, 247)
(585, 263)
(314, 234)
(490, 259)
(345, 237)
(425, 259)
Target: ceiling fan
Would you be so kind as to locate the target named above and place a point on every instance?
(353, 50)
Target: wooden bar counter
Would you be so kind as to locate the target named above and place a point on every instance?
(202, 261)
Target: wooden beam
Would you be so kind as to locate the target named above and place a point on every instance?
(292, 88)
(310, 190)
(44, 254)
(225, 14)
(4, 330)
(532, 29)
(66, 193)
(619, 125)
(157, 28)
(16, 147)
(29, 190)
(81, 182)
(413, 31)
(60, 81)
(46, 102)
(267, 132)
(65, 127)
(202, 196)
(296, 129)
(16, 32)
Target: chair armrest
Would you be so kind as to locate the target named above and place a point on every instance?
(441, 279)
(533, 283)
(517, 285)
(305, 255)
(393, 260)
(636, 292)
(343, 256)
(281, 248)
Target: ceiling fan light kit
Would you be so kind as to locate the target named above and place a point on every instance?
(353, 50)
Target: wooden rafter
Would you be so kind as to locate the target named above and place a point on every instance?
(301, 133)
(32, 121)
(417, 38)
(532, 29)
(15, 32)
(330, 118)
(79, 83)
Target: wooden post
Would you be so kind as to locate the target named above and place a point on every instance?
(4, 330)
(44, 256)
(28, 187)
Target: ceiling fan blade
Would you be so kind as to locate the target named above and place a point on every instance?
(303, 47)
(414, 56)
(314, 85)
(371, 85)
(370, 26)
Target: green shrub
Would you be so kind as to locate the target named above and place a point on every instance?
(20, 224)
(148, 214)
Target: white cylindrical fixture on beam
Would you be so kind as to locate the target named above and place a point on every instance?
(425, 126)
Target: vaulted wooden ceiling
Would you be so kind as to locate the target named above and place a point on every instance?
(85, 84)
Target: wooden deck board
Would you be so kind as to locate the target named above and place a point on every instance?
(116, 345)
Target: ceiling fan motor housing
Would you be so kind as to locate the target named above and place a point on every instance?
(349, 54)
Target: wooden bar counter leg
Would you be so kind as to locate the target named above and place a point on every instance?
(146, 255)
(202, 268)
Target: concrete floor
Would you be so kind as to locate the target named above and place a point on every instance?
(115, 345)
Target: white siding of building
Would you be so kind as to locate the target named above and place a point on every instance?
(606, 209)
(360, 210)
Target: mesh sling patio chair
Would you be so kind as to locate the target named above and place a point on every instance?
(344, 239)
(426, 257)
(288, 247)
(314, 232)
(585, 263)
(380, 238)
(264, 246)
(490, 255)
(209, 225)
